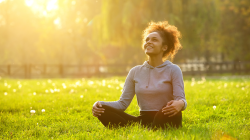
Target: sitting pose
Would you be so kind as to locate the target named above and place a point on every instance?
(157, 84)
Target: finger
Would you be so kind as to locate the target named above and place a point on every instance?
(172, 114)
(97, 108)
(168, 109)
(169, 112)
(97, 114)
(98, 111)
(99, 104)
(94, 114)
(170, 102)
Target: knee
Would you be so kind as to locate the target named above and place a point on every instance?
(164, 121)
(108, 108)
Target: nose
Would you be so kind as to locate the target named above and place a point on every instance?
(145, 44)
(148, 42)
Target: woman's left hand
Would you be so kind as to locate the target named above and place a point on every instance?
(173, 107)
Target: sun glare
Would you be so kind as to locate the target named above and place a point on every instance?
(29, 2)
(2, 1)
(57, 21)
(42, 6)
(52, 5)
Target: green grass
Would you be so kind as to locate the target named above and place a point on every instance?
(68, 111)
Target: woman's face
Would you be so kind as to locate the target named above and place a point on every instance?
(153, 44)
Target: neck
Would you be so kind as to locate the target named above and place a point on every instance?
(155, 60)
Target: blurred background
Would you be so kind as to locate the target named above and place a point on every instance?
(72, 35)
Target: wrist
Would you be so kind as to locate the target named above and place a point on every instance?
(182, 102)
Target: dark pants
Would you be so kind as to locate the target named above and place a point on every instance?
(113, 118)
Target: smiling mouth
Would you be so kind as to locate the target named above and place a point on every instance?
(148, 47)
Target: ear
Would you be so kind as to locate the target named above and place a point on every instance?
(164, 48)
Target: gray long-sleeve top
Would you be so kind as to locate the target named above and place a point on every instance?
(154, 87)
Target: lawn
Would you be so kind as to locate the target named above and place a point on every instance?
(61, 109)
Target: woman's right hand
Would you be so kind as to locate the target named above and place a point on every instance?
(97, 109)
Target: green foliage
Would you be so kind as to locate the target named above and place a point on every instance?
(109, 31)
(68, 104)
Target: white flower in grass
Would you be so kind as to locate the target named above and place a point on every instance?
(193, 83)
(90, 83)
(43, 110)
(81, 96)
(193, 79)
(32, 111)
(5, 93)
(34, 93)
(78, 83)
(225, 85)
(51, 90)
(214, 107)
(203, 79)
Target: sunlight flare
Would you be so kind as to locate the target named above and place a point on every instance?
(29, 2)
(52, 5)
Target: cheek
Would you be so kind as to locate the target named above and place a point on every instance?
(144, 46)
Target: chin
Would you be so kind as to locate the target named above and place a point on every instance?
(148, 53)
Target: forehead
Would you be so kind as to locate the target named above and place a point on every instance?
(153, 34)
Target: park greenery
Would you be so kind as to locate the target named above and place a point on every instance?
(218, 108)
(109, 31)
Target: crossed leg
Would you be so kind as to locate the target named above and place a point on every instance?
(113, 118)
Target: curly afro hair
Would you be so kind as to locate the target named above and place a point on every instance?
(168, 33)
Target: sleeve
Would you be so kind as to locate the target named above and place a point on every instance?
(178, 85)
(128, 93)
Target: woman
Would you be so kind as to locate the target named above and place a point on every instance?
(158, 84)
